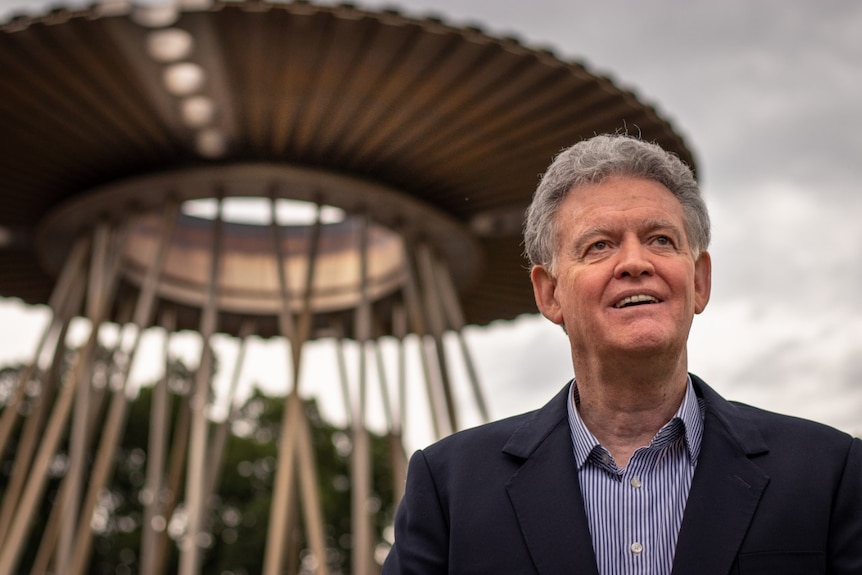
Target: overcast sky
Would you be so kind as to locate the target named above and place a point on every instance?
(767, 94)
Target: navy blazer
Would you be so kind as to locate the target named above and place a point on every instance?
(771, 495)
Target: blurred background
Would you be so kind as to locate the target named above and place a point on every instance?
(767, 96)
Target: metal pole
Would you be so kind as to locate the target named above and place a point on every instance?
(60, 296)
(20, 527)
(311, 500)
(282, 500)
(157, 446)
(418, 325)
(399, 330)
(455, 316)
(436, 321)
(190, 550)
(343, 378)
(222, 429)
(35, 422)
(48, 543)
(160, 406)
(52, 529)
(384, 386)
(14, 544)
(396, 438)
(176, 474)
(118, 410)
(284, 488)
(361, 453)
(399, 465)
(77, 444)
(295, 441)
(306, 315)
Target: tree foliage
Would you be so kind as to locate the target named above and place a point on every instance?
(239, 512)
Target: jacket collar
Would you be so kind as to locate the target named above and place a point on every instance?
(546, 495)
(539, 425)
(726, 489)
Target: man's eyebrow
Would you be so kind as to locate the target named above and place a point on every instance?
(588, 234)
(660, 224)
(598, 230)
(647, 226)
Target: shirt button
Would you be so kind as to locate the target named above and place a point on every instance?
(637, 548)
(635, 482)
(606, 459)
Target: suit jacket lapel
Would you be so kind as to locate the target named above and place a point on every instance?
(725, 491)
(546, 495)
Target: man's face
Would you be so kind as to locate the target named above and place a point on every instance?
(626, 279)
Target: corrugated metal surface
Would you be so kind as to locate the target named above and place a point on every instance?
(449, 116)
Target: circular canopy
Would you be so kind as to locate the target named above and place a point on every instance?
(451, 118)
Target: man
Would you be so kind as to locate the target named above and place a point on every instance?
(636, 466)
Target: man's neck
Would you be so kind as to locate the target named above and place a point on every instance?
(625, 408)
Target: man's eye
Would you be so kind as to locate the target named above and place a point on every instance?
(598, 246)
(663, 241)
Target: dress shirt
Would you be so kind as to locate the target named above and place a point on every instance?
(635, 513)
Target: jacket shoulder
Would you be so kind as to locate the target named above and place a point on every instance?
(488, 436)
(517, 435)
(778, 427)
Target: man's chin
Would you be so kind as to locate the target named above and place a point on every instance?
(648, 344)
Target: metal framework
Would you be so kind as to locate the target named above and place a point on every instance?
(425, 138)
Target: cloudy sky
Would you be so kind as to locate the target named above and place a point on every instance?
(767, 95)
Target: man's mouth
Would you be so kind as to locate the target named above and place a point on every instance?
(632, 300)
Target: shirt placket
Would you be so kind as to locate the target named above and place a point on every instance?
(638, 547)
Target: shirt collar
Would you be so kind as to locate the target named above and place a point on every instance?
(690, 413)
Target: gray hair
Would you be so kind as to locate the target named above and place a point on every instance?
(593, 161)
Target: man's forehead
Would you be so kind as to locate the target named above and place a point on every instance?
(621, 203)
(618, 180)
(622, 194)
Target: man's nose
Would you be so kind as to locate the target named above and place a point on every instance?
(633, 260)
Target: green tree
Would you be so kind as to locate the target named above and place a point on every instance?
(239, 512)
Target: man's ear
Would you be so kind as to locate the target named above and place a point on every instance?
(702, 281)
(545, 292)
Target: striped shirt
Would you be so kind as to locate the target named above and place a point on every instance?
(635, 513)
